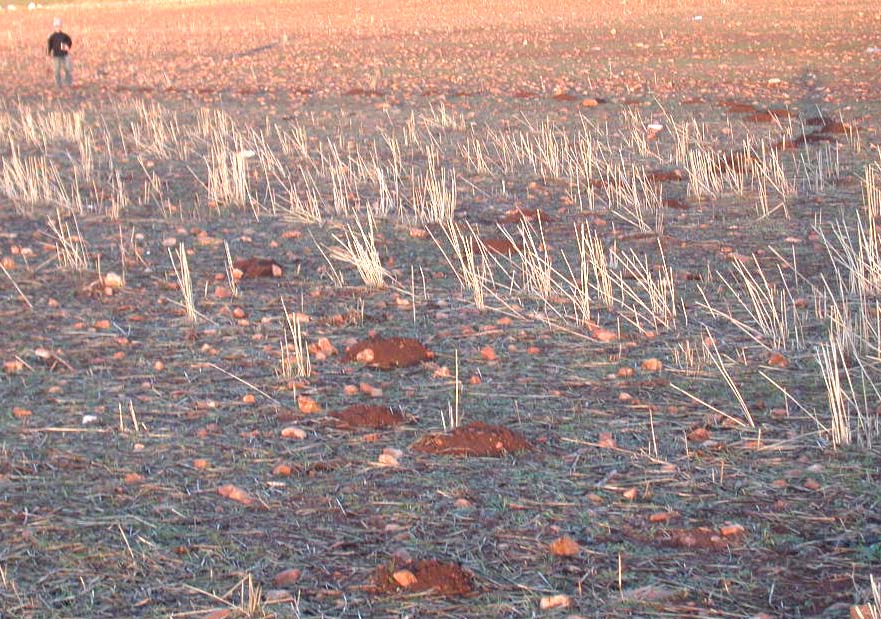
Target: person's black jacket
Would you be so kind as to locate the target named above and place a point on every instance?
(59, 43)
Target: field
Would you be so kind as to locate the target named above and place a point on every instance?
(441, 309)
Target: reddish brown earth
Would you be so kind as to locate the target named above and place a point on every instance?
(700, 538)
(474, 439)
(517, 215)
(157, 467)
(432, 577)
(387, 353)
(366, 416)
(497, 246)
(257, 267)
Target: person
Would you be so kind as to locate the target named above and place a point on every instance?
(59, 49)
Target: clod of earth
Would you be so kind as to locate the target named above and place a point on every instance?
(234, 493)
(424, 576)
(555, 601)
(286, 577)
(474, 439)
(367, 416)
(564, 546)
(247, 268)
(388, 353)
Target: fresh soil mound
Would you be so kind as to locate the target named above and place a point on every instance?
(474, 439)
(665, 176)
(257, 267)
(735, 107)
(516, 215)
(496, 246)
(824, 125)
(700, 538)
(678, 205)
(767, 116)
(364, 92)
(388, 353)
(367, 416)
(425, 576)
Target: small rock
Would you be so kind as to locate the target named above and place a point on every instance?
(652, 365)
(731, 530)
(564, 547)
(308, 405)
(286, 577)
(404, 578)
(293, 432)
(276, 596)
(113, 281)
(388, 460)
(555, 601)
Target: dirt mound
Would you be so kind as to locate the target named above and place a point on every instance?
(678, 205)
(700, 538)
(388, 353)
(665, 176)
(247, 268)
(831, 127)
(367, 416)
(736, 107)
(516, 215)
(496, 246)
(425, 576)
(364, 92)
(474, 439)
(770, 115)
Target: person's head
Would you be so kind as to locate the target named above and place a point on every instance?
(56, 24)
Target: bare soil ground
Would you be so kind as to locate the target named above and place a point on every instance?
(496, 309)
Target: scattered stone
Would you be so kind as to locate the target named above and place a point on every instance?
(286, 577)
(564, 547)
(555, 601)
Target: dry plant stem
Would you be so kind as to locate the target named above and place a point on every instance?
(358, 248)
(453, 418)
(876, 597)
(246, 383)
(472, 271)
(716, 357)
(294, 363)
(17, 289)
(230, 276)
(70, 247)
(185, 283)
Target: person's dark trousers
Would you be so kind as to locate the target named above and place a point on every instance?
(63, 63)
